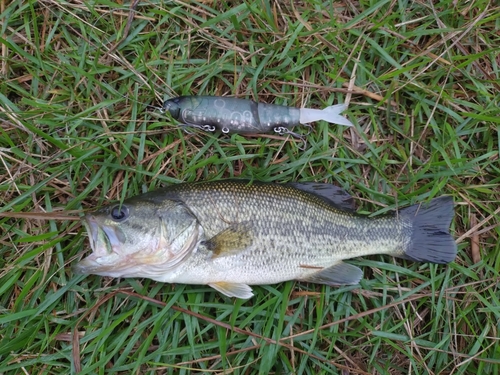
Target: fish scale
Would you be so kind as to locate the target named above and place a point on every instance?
(231, 234)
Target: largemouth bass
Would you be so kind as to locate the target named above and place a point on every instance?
(232, 234)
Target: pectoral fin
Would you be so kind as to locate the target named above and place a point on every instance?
(233, 289)
(339, 274)
(230, 241)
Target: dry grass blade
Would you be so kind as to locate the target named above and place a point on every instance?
(41, 215)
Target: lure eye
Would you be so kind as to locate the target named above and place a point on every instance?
(172, 106)
(119, 213)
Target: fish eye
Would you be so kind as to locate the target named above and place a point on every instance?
(119, 213)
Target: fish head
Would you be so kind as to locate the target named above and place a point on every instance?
(139, 239)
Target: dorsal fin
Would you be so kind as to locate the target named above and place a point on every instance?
(331, 194)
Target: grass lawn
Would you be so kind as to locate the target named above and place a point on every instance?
(80, 83)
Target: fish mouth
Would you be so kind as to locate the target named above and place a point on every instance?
(105, 246)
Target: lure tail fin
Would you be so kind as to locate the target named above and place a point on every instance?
(330, 114)
(430, 238)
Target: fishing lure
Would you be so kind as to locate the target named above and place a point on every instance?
(233, 115)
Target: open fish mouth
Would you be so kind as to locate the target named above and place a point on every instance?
(105, 247)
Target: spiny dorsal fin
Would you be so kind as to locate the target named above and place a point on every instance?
(233, 289)
(338, 274)
(230, 241)
(331, 194)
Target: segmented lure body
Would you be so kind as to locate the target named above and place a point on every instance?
(244, 116)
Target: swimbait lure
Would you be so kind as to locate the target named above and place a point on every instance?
(233, 115)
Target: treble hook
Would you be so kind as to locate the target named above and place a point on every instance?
(207, 128)
(281, 130)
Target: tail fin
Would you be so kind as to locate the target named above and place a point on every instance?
(430, 239)
(329, 114)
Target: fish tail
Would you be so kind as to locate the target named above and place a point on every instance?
(330, 114)
(430, 238)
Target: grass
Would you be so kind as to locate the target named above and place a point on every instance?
(78, 80)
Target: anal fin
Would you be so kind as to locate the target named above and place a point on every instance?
(233, 289)
(338, 274)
